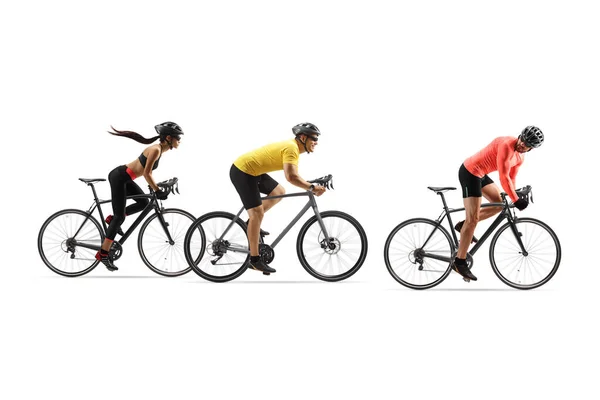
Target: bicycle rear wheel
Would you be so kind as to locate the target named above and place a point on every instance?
(525, 270)
(61, 240)
(163, 256)
(342, 256)
(218, 258)
(418, 253)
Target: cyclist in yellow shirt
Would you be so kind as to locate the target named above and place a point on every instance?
(249, 176)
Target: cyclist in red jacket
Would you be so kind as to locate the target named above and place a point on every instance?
(504, 154)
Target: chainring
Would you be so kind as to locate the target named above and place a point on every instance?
(267, 254)
(116, 250)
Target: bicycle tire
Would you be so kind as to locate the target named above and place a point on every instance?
(204, 257)
(341, 245)
(57, 233)
(167, 259)
(410, 235)
(524, 265)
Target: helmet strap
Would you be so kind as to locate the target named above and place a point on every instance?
(303, 144)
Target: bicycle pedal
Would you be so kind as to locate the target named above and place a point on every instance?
(466, 280)
(266, 273)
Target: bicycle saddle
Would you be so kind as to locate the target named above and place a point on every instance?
(440, 189)
(91, 180)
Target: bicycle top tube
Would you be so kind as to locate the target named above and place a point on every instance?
(297, 194)
(452, 210)
(136, 196)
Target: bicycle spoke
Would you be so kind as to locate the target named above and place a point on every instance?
(163, 255)
(530, 269)
(59, 248)
(406, 253)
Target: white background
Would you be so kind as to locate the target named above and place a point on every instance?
(402, 91)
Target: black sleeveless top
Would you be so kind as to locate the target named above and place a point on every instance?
(143, 160)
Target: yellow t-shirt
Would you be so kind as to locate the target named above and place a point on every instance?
(269, 158)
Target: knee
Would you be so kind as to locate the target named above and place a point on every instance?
(472, 220)
(278, 191)
(257, 213)
(118, 219)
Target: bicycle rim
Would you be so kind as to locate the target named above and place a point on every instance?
(158, 253)
(219, 258)
(406, 251)
(58, 242)
(339, 259)
(525, 271)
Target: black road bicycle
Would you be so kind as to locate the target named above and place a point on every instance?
(524, 253)
(69, 239)
(331, 245)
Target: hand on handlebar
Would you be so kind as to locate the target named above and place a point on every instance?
(165, 188)
(522, 203)
(161, 194)
(319, 190)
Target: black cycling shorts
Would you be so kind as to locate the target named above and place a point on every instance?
(471, 185)
(250, 187)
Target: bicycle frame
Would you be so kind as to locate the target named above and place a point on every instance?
(504, 214)
(153, 204)
(312, 203)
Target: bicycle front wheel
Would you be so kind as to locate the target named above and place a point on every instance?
(223, 255)
(161, 252)
(339, 258)
(529, 269)
(418, 253)
(68, 242)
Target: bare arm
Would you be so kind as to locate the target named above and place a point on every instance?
(153, 154)
(293, 177)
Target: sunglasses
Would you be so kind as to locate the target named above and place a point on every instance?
(313, 138)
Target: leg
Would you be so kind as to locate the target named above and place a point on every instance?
(133, 189)
(492, 194)
(256, 215)
(471, 190)
(472, 205)
(278, 191)
(270, 187)
(248, 187)
(117, 192)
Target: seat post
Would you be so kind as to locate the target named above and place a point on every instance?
(94, 191)
(443, 200)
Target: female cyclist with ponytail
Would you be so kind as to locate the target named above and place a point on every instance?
(122, 183)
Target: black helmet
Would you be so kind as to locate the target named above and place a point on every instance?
(168, 129)
(305, 128)
(532, 136)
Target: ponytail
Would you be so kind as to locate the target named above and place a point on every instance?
(133, 135)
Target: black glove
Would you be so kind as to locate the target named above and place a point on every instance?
(521, 204)
(161, 194)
